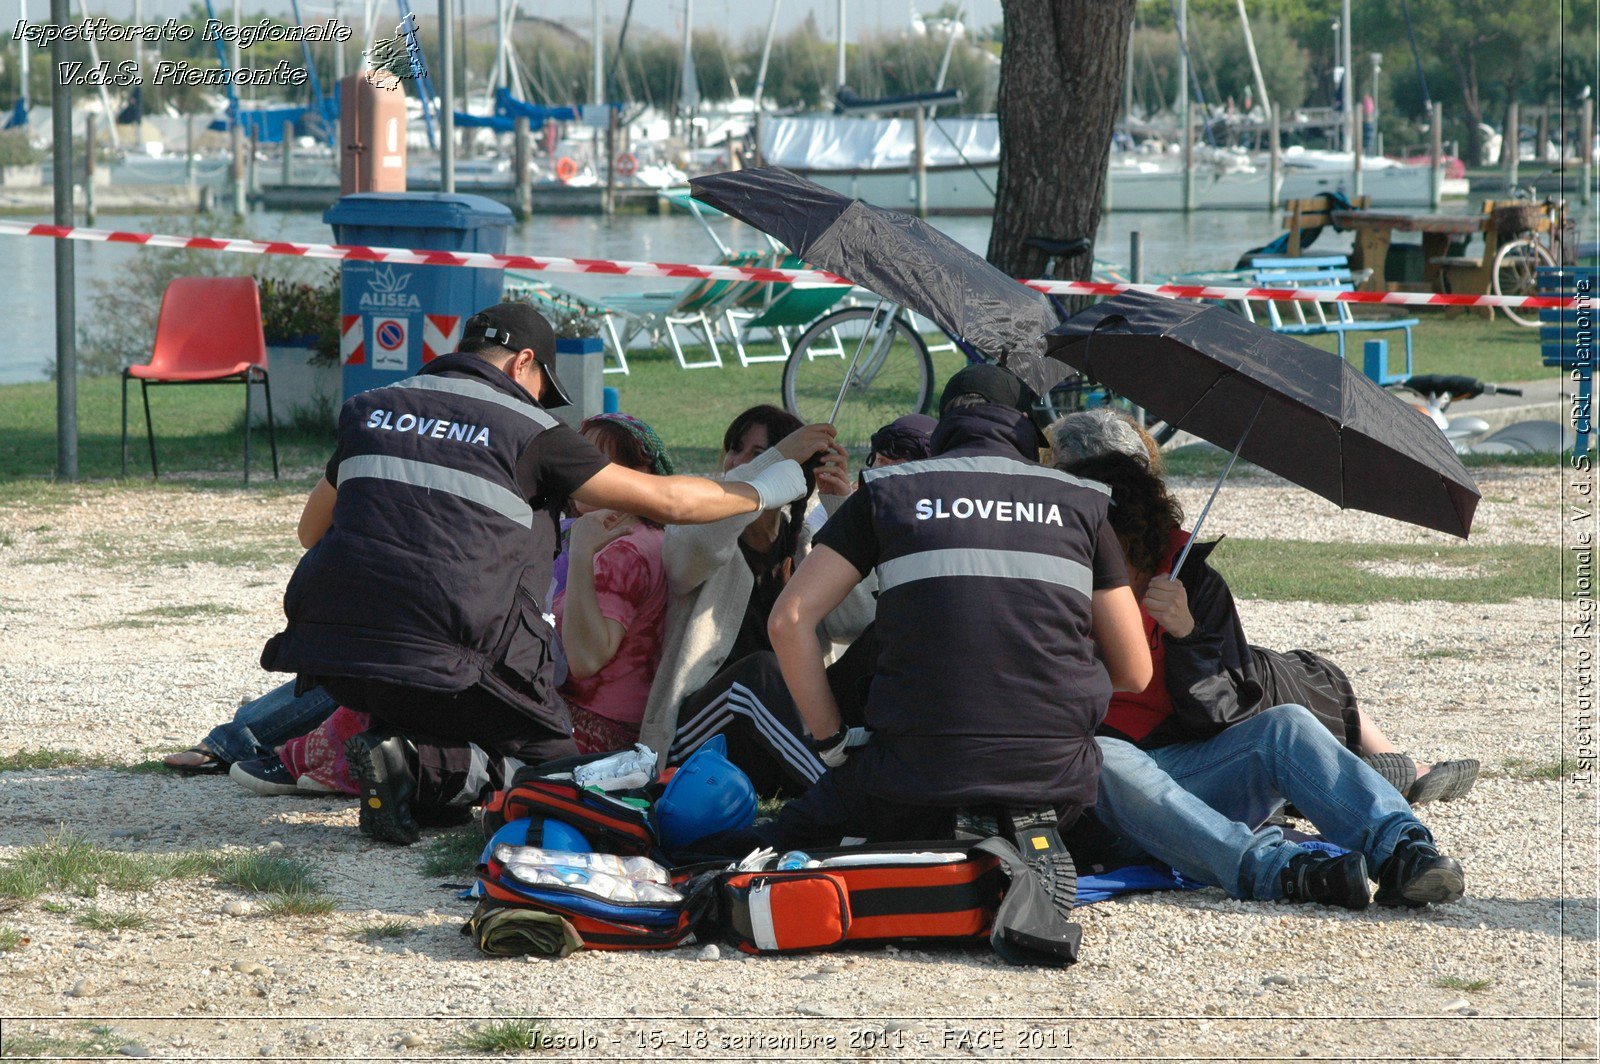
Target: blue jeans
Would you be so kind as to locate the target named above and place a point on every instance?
(261, 726)
(1197, 806)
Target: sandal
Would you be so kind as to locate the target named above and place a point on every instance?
(201, 761)
(1447, 781)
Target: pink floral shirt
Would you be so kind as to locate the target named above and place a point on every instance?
(630, 586)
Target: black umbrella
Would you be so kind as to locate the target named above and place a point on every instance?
(1300, 412)
(898, 257)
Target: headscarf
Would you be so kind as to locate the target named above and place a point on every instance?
(654, 449)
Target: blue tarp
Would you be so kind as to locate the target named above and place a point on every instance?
(18, 117)
(507, 109)
(266, 122)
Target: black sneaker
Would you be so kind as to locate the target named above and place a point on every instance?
(1327, 880)
(379, 764)
(264, 775)
(1417, 874)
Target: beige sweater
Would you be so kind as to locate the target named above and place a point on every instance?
(708, 589)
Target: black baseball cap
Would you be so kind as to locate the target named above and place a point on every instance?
(995, 383)
(519, 327)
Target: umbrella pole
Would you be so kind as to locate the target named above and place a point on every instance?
(1194, 533)
(854, 359)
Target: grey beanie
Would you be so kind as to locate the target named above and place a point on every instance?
(1085, 434)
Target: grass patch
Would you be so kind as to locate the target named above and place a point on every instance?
(506, 1036)
(43, 1047)
(67, 863)
(1456, 982)
(455, 854)
(48, 758)
(149, 767)
(1447, 652)
(107, 550)
(197, 609)
(301, 903)
(10, 939)
(1530, 768)
(382, 930)
(97, 919)
(261, 873)
(1295, 571)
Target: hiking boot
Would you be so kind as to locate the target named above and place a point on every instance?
(1417, 874)
(1327, 880)
(382, 771)
(1035, 831)
(266, 776)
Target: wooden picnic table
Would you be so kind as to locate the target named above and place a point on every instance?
(1374, 229)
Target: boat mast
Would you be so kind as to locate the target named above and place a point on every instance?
(1346, 83)
(838, 72)
(766, 54)
(597, 85)
(689, 84)
(22, 10)
(1255, 63)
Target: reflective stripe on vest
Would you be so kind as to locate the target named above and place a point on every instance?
(1000, 564)
(982, 464)
(467, 486)
(476, 390)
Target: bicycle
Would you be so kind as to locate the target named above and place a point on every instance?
(890, 367)
(1515, 271)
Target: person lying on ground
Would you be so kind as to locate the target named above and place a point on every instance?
(1004, 623)
(611, 609)
(430, 546)
(748, 703)
(1193, 768)
(1245, 678)
(722, 580)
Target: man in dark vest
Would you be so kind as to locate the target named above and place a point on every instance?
(1004, 621)
(430, 544)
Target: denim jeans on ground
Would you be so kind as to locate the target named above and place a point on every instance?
(1196, 805)
(261, 726)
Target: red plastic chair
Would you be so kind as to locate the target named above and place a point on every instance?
(209, 333)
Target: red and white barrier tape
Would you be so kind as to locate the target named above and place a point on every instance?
(615, 268)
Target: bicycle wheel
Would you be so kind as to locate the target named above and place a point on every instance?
(893, 376)
(1516, 273)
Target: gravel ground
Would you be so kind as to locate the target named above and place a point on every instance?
(131, 622)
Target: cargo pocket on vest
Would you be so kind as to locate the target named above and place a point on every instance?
(527, 661)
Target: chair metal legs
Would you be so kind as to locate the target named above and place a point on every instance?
(124, 422)
(149, 428)
(272, 426)
(247, 413)
(249, 379)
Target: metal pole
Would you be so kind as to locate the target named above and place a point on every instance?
(1275, 158)
(66, 284)
(521, 138)
(1357, 153)
(1586, 151)
(338, 44)
(251, 185)
(1347, 83)
(1436, 156)
(1194, 533)
(761, 71)
(288, 153)
(1183, 105)
(850, 371)
(188, 150)
(1510, 144)
(838, 66)
(1136, 256)
(236, 132)
(1377, 72)
(88, 167)
(921, 163)
(447, 99)
(597, 52)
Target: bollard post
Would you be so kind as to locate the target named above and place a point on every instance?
(1136, 256)
(88, 167)
(236, 170)
(1586, 152)
(288, 154)
(1436, 156)
(250, 166)
(1510, 148)
(1275, 154)
(611, 161)
(1188, 161)
(521, 138)
(1357, 151)
(188, 150)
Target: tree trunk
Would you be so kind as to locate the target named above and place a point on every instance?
(1467, 73)
(1061, 73)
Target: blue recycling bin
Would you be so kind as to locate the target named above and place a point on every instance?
(398, 316)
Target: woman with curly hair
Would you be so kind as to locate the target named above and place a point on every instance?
(1197, 762)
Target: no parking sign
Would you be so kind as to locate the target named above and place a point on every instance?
(390, 347)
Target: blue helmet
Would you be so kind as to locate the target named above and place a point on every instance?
(534, 831)
(708, 794)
